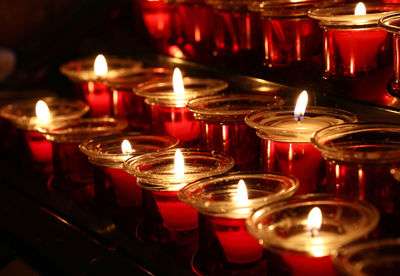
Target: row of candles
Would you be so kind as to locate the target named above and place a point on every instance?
(94, 159)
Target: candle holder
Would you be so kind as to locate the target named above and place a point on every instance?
(165, 217)
(91, 87)
(222, 126)
(379, 257)
(169, 113)
(128, 105)
(354, 46)
(363, 160)
(225, 247)
(22, 114)
(290, 36)
(72, 171)
(283, 227)
(286, 145)
(112, 184)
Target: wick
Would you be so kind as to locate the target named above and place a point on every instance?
(314, 232)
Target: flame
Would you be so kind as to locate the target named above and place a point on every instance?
(360, 9)
(42, 111)
(314, 221)
(179, 163)
(177, 82)
(100, 66)
(241, 198)
(126, 147)
(301, 105)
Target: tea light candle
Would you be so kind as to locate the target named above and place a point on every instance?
(168, 101)
(161, 175)
(307, 230)
(224, 202)
(108, 154)
(89, 76)
(286, 145)
(353, 43)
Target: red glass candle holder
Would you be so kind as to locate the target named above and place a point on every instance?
(91, 87)
(222, 126)
(354, 46)
(290, 36)
(282, 227)
(72, 172)
(22, 114)
(165, 217)
(128, 105)
(112, 184)
(379, 257)
(363, 160)
(169, 113)
(225, 247)
(286, 145)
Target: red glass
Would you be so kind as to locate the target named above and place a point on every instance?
(313, 266)
(98, 98)
(126, 190)
(177, 122)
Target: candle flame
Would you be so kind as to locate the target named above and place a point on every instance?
(126, 147)
(100, 66)
(179, 163)
(301, 105)
(177, 82)
(42, 111)
(241, 197)
(360, 9)
(314, 221)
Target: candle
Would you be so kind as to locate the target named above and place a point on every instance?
(353, 44)
(89, 76)
(168, 101)
(108, 153)
(161, 175)
(222, 126)
(285, 141)
(306, 230)
(224, 202)
(290, 37)
(365, 167)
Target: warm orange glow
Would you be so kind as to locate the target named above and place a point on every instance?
(179, 163)
(100, 66)
(360, 9)
(301, 105)
(314, 221)
(177, 82)
(241, 198)
(126, 147)
(42, 111)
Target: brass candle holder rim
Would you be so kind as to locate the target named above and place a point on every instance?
(76, 131)
(386, 23)
(105, 151)
(369, 218)
(283, 8)
(155, 171)
(344, 256)
(82, 70)
(262, 121)
(23, 115)
(362, 151)
(231, 107)
(342, 15)
(214, 195)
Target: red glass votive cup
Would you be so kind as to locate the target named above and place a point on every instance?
(222, 126)
(164, 213)
(91, 87)
(126, 104)
(354, 46)
(225, 247)
(283, 228)
(112, 184)
(22, 114)
(169, 113)
(72, 172)
(378, 257)
(290, 36)
(285, 143)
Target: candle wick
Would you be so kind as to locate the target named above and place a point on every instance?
(314, 232)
